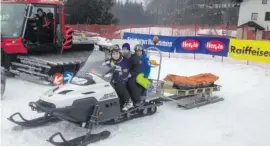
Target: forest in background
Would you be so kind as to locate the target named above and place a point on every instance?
(180, 12)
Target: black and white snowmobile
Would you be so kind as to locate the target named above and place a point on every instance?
(87, 100)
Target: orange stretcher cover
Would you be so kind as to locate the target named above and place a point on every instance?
(199, 79)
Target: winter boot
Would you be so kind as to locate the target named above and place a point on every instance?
(138, 103)
(127, 106)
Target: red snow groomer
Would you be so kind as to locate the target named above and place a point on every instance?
(36, 43)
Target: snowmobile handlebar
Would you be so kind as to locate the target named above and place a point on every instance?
(112, 69)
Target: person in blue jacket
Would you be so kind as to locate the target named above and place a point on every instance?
(145, 67)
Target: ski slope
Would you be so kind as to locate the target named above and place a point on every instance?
(241, 119)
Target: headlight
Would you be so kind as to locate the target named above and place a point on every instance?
(78, 81)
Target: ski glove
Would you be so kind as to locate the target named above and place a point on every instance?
(117, 68)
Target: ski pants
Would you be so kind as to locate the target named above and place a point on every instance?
(122, 92)
(134, 89)
(142, 81)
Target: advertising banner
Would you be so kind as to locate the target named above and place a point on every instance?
(252, 50)
(165, 44)
(203, 45)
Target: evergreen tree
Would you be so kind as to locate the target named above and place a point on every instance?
(131, 13)
(90, 11)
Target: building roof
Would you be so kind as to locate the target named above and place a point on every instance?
(252, 24)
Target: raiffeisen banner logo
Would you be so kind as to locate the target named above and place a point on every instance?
(252, 50)
(249, 50)
(150, 42)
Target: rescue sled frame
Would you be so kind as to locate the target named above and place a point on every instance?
(191, 91)
(192, 97)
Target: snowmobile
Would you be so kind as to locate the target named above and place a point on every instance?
(89, 99)
(3, 81)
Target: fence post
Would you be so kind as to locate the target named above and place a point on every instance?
(195, 31)
(171, 35)
(130, 27)
(246, 28)
(172, 29)
(149, 29)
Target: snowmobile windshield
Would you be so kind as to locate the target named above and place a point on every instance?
(93, 71)
(12, 19)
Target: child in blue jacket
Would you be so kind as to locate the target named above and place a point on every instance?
(145, 67)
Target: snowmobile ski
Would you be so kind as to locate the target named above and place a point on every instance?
(33, 122)
(85, 139)
(79, 141)
(198, 103)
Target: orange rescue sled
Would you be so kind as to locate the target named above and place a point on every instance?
(192, 91)
(203, 79)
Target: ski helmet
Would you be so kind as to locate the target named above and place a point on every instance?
(138, 47)
(116, 49)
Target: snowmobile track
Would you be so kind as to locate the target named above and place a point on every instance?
(146, 109)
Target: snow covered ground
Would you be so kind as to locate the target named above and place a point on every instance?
(241, 119)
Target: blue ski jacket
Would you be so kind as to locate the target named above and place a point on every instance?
(145, 67)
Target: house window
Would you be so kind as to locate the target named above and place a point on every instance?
(267, 16)
(264, 1)
(254, 16)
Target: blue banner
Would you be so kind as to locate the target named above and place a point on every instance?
(204, 45)
(165, 44)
